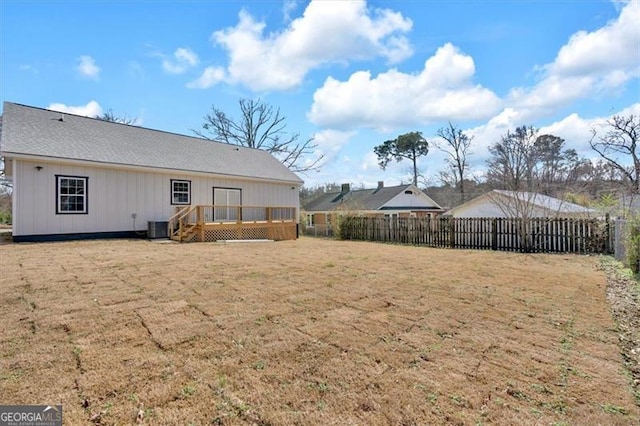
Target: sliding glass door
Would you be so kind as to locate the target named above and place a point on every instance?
(226, 202)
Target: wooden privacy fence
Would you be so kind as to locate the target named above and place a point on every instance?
(541, 235)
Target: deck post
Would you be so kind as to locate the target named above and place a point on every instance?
(200, 221)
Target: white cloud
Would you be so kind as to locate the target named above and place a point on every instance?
(574, 129)
(87, 67)
(184, 59)
(91, 109)
(396, 172)
(210, 77)
(330, 142)
(370, 162)
(589, 65)
(632, 109)
(287, 8)
(29, 68)
(359, 171)
(442, 91)
(327, 32)
(488, 134)
(610, 48)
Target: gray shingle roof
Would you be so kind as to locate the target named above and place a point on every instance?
(361, 199)
(34, 131)
(544, 201)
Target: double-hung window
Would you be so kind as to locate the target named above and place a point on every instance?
(180, 191)
(72, 194)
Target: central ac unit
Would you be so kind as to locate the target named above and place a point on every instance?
(158, 229)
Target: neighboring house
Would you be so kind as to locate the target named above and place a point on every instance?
(498, 203)
(79, 177)
(393, 201)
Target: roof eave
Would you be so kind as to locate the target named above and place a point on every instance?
(147, 169)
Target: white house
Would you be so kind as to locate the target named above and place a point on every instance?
(78, 177)
(391, 201)
(498, 203)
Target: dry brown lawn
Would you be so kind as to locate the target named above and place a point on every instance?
(308, 332)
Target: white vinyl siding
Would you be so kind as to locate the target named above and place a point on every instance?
(116, 194)
(416, 199)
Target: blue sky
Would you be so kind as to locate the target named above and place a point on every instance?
(351, 74)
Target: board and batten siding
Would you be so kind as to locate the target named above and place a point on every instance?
(115, 194)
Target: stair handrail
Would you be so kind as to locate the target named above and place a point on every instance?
(179, 217)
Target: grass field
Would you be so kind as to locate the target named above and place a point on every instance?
(308, 332)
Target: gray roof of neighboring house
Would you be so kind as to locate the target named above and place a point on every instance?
(546, 202)
(531, 199)
(35, 131)
(360, 199)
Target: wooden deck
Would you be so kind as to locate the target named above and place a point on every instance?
(201, 223)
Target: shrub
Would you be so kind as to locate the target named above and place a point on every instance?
(632, 244)
(5, 217)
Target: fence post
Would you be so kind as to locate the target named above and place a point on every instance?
(494, 234)
(607, 235)
(452, 232)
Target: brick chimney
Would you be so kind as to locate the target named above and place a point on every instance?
(345, 188)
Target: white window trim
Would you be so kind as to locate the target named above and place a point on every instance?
(84, 196)
(174, 192)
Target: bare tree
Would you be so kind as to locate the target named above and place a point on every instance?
(513, 159)
(524, 165)
(619, 146)
(112, 117)
(548, 151)
(523, 206)
(6, 185)
(457, 146)
(6, 189)
(409, 146)
(262, 126)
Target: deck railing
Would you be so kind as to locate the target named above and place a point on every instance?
(193, 222)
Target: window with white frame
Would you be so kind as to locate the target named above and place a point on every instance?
(180, 191)
(71, 194)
